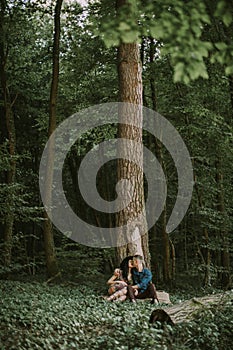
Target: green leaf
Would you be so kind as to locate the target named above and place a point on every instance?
(204, 74)
(124, 26)
(224, 10)
(194, 71)
(156, 31)
(220, 7)
(111, 41)
(229, 70)
(130, 37)
(221, 46)
(227, 18)
(179, 72)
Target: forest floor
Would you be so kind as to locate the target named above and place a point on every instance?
(35, 315)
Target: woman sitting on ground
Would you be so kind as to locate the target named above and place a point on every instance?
(117, 286)
(120, 280)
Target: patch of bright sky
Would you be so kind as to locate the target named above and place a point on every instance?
(81, 2)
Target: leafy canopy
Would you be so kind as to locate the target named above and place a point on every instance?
(179, 27)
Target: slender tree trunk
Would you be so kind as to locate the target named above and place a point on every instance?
(206, 257)
(207, 277)
(73, 164)
(184, 232)
(51, 260)
(224, 275)
(10, 127)
(230, 79)
(105, 181)
(168, 265)
(130, 90)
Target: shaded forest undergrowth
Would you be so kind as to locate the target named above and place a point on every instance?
(36, 315)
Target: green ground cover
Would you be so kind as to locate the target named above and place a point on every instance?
(39, 316)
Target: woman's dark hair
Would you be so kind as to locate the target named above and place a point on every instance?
(124, 266)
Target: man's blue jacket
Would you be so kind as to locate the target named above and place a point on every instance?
(142, 279)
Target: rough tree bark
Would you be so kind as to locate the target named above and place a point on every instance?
(51, 261)
(130, 90)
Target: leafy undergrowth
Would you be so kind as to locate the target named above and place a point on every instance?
(38, 316)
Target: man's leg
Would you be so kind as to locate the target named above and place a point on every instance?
(155, 296)
(130, 293)
(150, 292)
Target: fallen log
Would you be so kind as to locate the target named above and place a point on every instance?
(186, 311)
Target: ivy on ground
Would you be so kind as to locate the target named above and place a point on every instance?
(39, 316)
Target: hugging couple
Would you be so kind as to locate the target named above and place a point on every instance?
(132, 281)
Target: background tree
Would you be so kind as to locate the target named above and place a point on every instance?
(201, 109)
(10, 134)
(51, 261)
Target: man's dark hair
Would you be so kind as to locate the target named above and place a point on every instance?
(138, 257)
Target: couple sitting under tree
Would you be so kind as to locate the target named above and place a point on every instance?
(132, 280)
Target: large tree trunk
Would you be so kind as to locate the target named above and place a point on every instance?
(130, 91)
(51, 261)
(11, 136)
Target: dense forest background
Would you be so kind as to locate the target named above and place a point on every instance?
(189, 82)
(58, 58)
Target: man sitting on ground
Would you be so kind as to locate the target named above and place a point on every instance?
(142, 278)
